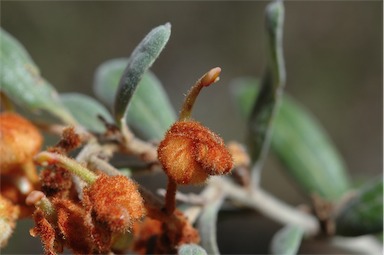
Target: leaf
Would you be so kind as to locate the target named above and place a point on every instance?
(244, 91)
(191, 249)
(207, 225)
(363, 213)
(307, 151)
(287, 240)
(106, 80)
(304, 147)
(267, 102)
(141, 59)
(150, 113)
(86, 111)
(21, 80)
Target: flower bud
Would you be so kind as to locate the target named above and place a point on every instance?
(9, 213)
(19, 141)
(116, 201)
(191, 152)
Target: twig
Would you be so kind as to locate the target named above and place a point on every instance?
(269, 206)
(56, 129)
(190, 198)
(358, 245)
(102, 165)
(131, 144)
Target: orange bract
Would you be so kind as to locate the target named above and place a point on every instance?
(72, 220)
(116, 201)
(191, 152)
(45, 230)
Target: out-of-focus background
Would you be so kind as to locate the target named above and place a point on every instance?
(333, 52)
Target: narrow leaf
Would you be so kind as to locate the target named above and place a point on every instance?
(141, 59)
(304, 147)
(207, 225)
(307, 151)
(86, 111)
(267, 102)
(150, 113)
(363, 213)
(287, 240)
(244, 91)
(21, 81)
(191, 249)
(106, 80)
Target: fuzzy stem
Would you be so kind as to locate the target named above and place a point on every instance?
(39, 200)
(170, 197)
(207, 79)
(48, 158)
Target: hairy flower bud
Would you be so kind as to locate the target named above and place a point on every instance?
(191, 152)
(116, 201)
(19, 141)
(9, 213)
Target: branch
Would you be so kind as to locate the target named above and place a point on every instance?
(269, 206)
(358, 245)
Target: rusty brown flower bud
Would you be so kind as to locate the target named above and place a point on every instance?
(191, 152)
(116, 201)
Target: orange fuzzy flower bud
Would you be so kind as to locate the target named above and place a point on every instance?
(239, 154)
(116, 201)
(19, 141)
(191, 152)
(9, 213)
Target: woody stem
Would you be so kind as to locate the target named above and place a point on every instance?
(170, 197)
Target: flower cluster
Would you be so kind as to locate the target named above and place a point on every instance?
(107, 207)
(97, 211)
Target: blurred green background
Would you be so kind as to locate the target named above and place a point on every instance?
(333, 52)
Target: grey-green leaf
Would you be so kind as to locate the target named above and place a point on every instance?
(287, 240)
(106, 80)
(21, 81)
(140, 60)
(207, 225)
(307, 151)
(191, 249)
(304, 147)
(363, 213)
(267, 102)
(150, 112)
(86, 110)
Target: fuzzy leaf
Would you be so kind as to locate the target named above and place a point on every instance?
(266, 105)
(287, 240)
(363, 213)
(304, 147)
(207, 226)
(150, 113)
(21, 81)
(106, 80)
(141, 59)
(86, 111)
(191, 249)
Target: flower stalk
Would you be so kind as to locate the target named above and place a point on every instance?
(48, 158)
